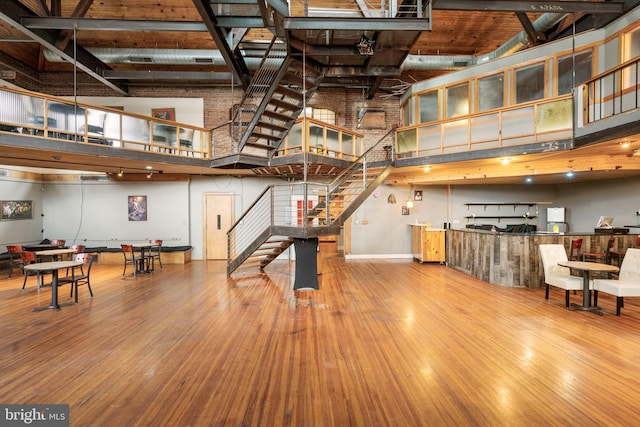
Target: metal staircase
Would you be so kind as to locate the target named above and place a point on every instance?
(273, 101)
(304, 210)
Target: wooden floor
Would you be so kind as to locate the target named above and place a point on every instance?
(382, 343)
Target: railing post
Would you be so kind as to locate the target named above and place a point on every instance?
(272, 205)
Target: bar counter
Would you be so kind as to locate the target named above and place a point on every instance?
(513, 259)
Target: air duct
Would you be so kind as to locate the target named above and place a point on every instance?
(214, 57)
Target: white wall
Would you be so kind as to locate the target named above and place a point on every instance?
(21, 231)
(96, 213)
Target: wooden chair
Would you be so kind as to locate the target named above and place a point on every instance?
(81, 276)
(628, 283)
(599, 256)
(28, 257)
(15, 261)
(154, 252)
(133, 259)
(555, 275)
(576, 245)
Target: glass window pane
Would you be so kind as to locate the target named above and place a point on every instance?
(491, 92)
(632, 48)
(530, 83)
(407, 113)
(428, 107)
(458, 100)
(565, 71)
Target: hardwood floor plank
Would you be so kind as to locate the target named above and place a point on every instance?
(382, 343)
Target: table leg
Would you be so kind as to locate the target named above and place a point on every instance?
(54, 295)
(586, 297)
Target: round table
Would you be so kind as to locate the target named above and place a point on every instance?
(53, 267)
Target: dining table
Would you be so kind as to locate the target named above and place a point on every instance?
(54, 253)
(40, 247)
(587, 268)
(144, 259)
(52, 267)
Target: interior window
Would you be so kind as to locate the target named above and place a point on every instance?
(322, 114)
(530, 83)
(458, 100)
(491, 92)
(565, 71)
(428, 104)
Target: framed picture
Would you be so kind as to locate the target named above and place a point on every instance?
(137, 208)
(405, 210)
(417, 195)
(17, 209)
(164, 113)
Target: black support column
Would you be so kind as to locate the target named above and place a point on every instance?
(306, 263)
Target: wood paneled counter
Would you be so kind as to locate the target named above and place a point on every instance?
(513, 259)
(428, 244)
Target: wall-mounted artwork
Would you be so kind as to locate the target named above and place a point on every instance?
(17, 209)
(417, 195)
(405, 210)
(137, 208)
(164, 113)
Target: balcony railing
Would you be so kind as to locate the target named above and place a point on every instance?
(534, 122)
(323, 139)
(613, 92)
(38, 115)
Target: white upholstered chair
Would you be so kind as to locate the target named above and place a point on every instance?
(627, 284)
(555, 275)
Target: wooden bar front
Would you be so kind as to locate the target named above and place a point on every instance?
(513, 260)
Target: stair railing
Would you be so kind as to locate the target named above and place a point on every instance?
(260, 84)
(283, 206)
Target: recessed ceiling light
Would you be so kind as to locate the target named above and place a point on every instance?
(569, 174)
(506, 161)
(528, 180)
(149, 167)
(625, 144)
(427, 168)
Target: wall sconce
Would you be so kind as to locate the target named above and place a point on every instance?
(150, 174)
(121, 172)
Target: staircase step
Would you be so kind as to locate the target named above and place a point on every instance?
(278, 116)
(283, 104)
(272, 126)
(267, 136)
(291, 93)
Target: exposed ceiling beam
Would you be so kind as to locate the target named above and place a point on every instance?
(358, 24)
(66, 23)
(534, 37)
(560, 6)
(11, 11)
(65, 35)
(232, 57)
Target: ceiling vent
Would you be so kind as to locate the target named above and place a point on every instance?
(203, 60)
(140, 59)
(95, 178)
